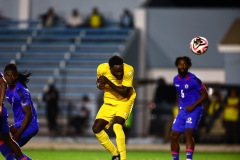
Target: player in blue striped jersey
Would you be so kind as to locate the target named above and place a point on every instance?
(190, 95)
(26, 124)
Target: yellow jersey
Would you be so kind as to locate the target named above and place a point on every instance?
(110, 96)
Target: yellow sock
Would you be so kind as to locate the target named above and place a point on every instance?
(107, 143)
(120, 140)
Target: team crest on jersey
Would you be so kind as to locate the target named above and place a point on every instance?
(189, 120)
(186, 86)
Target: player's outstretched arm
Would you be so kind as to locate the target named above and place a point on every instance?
(100, 85)
(121, 90)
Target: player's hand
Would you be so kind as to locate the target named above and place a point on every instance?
(0, 110)
(100, 86)
(190, 108)
(103, 79)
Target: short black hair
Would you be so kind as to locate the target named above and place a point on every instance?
(11, 66)
(115, 60)
(185, 58)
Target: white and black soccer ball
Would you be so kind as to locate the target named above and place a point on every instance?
(199, 45)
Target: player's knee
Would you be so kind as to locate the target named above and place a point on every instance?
(174, 136)
(96, 129)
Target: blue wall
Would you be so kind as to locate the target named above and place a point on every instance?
(171, 30)
(9, 8)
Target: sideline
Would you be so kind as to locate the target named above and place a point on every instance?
(90, 143)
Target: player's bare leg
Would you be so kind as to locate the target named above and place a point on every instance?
(175, 147)
(190, 143)
(14, 147)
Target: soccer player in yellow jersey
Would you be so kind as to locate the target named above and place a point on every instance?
(116, 79)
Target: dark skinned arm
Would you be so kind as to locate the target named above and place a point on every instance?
(121, 90)
(2, 93)
(27, 110)
(203, 96)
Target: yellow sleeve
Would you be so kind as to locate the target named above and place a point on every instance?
(100, 70)
(128, 77)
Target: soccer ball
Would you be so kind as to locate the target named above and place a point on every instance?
(199, 45)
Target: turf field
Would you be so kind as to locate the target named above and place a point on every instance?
(132, 155)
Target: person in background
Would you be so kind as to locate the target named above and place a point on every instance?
(164, 97)
(168, 125)
(231, 116)
(75, 21)
(2, 17)
(126, 19)
(51, 97)
(95, 19)
(80, 119)
(213, 110)
(115, 78)
(191, 93)
(26, 123)
(50, 18)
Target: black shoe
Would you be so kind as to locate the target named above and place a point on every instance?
(116, 157)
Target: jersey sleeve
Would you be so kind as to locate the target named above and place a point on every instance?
(100, 70)
(24, 96)
(199, 84)
(128, 77)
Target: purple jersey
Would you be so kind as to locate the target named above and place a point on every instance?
(20, 97)
(188, 89)
(4, 128)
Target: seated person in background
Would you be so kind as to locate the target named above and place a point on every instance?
(49, 19)
(2, 17)
(75, 20)
(126, 19)
(79, 121)
(95, 19)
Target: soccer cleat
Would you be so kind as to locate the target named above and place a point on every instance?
(116, 157)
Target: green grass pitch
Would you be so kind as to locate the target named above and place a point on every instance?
(131, 155)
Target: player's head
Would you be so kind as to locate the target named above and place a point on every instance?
(183, 64)
(116, 66)
(12, 76)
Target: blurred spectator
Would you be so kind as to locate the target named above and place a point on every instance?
(79, 121)
(75, 20)
(164, 93)
(51, 98)
(50, 18)
(231, 116)
(126, 19)
(213, 110)
(168, 125)
(163, 99)
(2, 17)
(95, 19)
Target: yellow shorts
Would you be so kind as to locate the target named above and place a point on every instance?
(108, 112)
